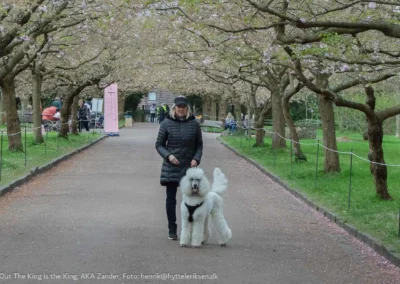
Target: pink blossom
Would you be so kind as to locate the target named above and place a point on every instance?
(344, 68)
(43, 8)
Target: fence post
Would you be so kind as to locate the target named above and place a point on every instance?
(249, 144)
(263, 136)
(399, 222)
(316, 166)
(351, 170)
(25, 146)
(291, 156)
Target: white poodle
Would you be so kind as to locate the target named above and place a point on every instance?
(201, 202)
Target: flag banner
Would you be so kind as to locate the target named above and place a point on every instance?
(111, 110)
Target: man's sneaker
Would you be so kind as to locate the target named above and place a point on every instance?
(172, 236)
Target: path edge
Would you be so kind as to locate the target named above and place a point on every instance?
(43, 168)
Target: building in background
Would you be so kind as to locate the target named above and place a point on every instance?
(157, 97)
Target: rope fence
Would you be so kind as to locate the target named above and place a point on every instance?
(317, 143)
(51, 145)
(312, 144)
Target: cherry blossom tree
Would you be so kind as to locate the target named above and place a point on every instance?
(25, 29)
(324, 32)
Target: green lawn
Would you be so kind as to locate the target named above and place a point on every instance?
(367, 212)
(13, 164)
(212, 129)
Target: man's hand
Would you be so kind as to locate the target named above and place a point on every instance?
(193, 163)
(173, 160)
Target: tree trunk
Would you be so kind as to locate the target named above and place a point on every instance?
(249, 124)
(332, 164)
(259, 124)
(74, 116)
(260, 134)
(398, 126)
(398, 119)
(13, 126)
(253, 109)
(292, 128)
(379, 172)
(278, 121)
(1, 108)
(222, 109)
(37, 81)
(213, 109)
(238, 112)
(204, 113)
(65, 112)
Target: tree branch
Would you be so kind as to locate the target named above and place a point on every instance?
(358, 81)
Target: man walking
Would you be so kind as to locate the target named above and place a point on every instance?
(163, 112)
(152, 113)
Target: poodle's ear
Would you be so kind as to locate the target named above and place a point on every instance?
(184, 185)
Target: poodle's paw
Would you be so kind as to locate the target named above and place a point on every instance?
(196, 244)
(205, 239)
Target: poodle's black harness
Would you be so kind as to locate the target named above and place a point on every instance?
(191, 210)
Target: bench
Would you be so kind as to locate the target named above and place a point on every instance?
(25, 118)
(213, 123)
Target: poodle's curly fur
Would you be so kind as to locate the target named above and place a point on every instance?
(207, 203)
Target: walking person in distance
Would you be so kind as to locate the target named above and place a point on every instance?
(83, 116)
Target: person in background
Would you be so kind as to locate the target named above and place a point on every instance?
(246, 124)
(88, 103)
(152, 113)
(56, 103)
(158, 113)
(50, 118)
(83, 116)
(166, 108)
(49, 113)
(163, 112)
(230, 123)
(199, 118)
